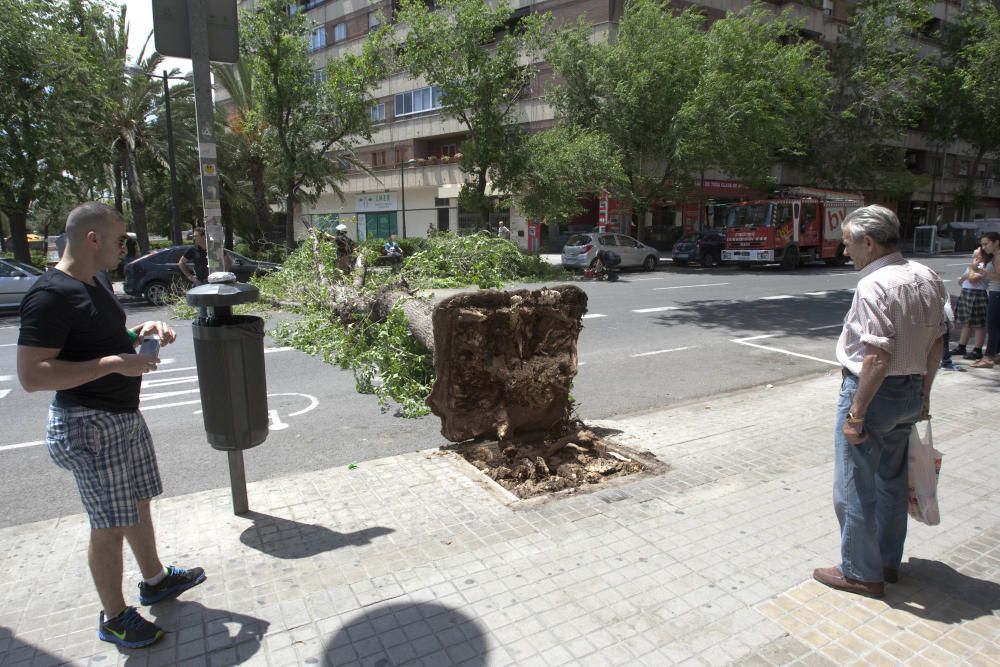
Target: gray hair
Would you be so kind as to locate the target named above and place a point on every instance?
(87, 217)
(875, 221)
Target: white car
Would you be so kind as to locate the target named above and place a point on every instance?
(581, 249)
(16, 278)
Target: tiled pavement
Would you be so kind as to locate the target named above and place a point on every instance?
(415, 560)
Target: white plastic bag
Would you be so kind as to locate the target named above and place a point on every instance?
(924, 468)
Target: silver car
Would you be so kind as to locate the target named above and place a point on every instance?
(16, 278)
(581, 249)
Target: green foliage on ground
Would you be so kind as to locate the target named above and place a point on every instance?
(386, 359)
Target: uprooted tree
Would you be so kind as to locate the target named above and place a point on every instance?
(503, 362)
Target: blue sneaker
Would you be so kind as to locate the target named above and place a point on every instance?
(128, 629)
(176, 582)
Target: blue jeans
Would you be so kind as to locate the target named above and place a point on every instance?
(870, 490)
(992, 324)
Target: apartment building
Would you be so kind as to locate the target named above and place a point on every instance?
(415, 180)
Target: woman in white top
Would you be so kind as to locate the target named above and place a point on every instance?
(970, 315)
(990, 244)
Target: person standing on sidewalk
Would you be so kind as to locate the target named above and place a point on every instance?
(890, 349)
(990, 244)
(73, 340)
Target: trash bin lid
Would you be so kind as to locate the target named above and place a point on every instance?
(222, 294)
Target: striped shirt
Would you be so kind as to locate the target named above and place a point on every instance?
(898, 307)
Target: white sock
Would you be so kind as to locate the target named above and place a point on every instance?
(160, 576)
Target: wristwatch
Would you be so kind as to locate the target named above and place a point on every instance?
(852, 419)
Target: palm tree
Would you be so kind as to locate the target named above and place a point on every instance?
(242, 138)
(132, 104)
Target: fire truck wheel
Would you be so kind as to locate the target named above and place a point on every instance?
(707, 260)
(790, 260)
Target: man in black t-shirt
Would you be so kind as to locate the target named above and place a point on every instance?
(197, 255)
(73, 340)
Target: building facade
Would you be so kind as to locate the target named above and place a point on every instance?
(415, 180)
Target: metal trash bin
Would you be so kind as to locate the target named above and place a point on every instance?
(229, 354)
(230, 358)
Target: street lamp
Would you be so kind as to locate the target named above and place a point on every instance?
(175, 213)
(402, 190)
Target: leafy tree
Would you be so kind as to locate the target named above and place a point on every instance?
(673, 98)
(47, 101)
(878, 75)
(564, 163)
(479, 56)
(309, 127)
(977, 68)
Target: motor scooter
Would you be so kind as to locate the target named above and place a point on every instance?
(604, 267)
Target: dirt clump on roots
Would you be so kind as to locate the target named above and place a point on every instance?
(534, 468)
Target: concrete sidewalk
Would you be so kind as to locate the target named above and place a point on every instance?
(414, 560)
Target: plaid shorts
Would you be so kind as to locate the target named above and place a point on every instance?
(971, 308)
(111, 456)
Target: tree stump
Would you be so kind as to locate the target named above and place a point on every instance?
(504, 361)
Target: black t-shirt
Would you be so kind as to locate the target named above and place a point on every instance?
(200, 259)
(84, 322)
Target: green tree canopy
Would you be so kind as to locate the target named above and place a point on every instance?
(309, 125)
(48, 101)
(673, 98)
(481, 57)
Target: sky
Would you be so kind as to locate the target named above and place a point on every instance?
(140, 18)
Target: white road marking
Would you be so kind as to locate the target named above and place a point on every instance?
(816, 293)
(4, 392)
(673, 349)
(146, 408)
(656, 310)
(591, 316)
(744, 341)
(639, 280)
(683, 286)
(777, 298)
(166, 394)
(313, 402)
(275, 421)
(166, 382)
(21, 445)
(828, 326)
(269, 350)
(962, 264)
(10, 327)
(6, 378)
(8, 344)
(173, 370)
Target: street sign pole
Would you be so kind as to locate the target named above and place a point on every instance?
(205, 122)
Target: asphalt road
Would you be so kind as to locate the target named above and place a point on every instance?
(650, 340)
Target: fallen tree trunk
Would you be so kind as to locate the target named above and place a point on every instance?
(503, 361)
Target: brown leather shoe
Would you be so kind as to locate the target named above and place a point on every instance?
(890, 575)
(832, 577)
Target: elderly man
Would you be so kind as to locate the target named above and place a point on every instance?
(73, 341)
(890, 349)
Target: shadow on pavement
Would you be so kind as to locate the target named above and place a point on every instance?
(931, 590)
(287, 539)
(209, 632)
(398, 633)
(14, 651)
(796, 315)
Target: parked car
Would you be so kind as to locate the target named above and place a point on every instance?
(16, 278)
(581, 249)
(703, 247)
(156, 275)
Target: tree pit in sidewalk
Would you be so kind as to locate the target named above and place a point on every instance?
(580, 460)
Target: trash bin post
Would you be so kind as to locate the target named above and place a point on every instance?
(229, 356)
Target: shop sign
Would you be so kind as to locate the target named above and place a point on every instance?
(378, 201)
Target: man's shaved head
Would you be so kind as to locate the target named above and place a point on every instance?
(91, 216)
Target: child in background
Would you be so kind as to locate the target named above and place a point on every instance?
(970, 315)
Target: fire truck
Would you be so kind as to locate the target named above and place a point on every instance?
(799, 226)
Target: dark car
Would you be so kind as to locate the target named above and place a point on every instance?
(156, 276)
(705, 248)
